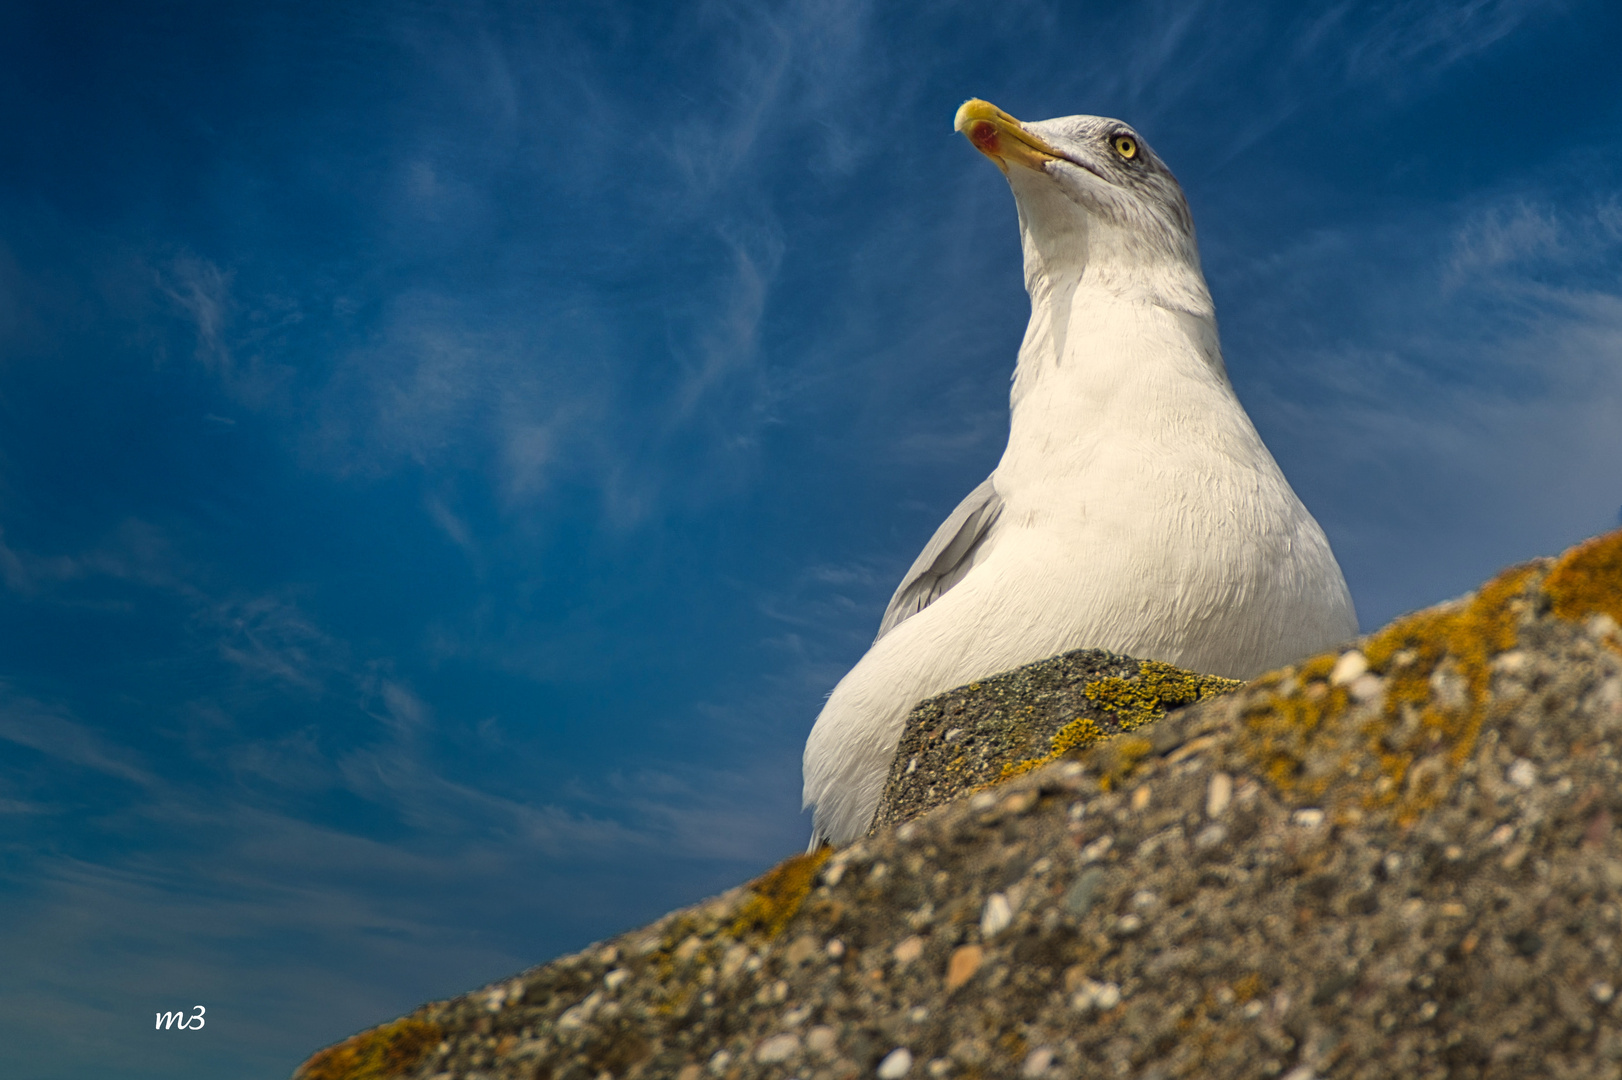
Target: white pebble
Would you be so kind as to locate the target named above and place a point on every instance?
(1310, 818)
(822, 1040)
(615, 979)
(1602, 992)
(836, 948)
(1037, 1062)
(896, 1064)
(1218, 795)
(1097, 849)
(1348, 667)
(996, 916)
(1095, 995)
(1367, 688)
(778, 1048)
(1522, 773)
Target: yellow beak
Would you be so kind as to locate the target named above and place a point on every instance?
(1000, 137)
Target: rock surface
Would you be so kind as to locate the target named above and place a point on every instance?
(1000, 727)
(1399, 860)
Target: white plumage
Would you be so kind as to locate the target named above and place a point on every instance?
(1135, 508)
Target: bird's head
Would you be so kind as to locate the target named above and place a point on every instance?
(1095, 203)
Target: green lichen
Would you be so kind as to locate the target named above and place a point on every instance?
(387, 1051)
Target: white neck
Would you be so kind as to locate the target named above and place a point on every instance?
(1117, 383)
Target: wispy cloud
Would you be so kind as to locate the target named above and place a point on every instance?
(50, 730)
(1477, 426)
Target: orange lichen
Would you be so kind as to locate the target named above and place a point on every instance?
(1436, 666)
(776, 895)
(390, 1050)
(1588, 579)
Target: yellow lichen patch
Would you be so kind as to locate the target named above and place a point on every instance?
(387, 1051)
(1079, 734)
(1436, 666)
(1114, 759)
(1156, 689)
(1147, 696)
(776, 895)
(1588, 579)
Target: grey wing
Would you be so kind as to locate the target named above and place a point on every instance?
(948, 556)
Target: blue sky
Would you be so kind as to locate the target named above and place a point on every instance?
(448, 451)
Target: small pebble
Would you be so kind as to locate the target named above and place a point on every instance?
(896, 1064)
(719, 1063)
(822, 1040)
(1367, 688)
(778, 1048)
(1602, 992)
(1037, 1062)
(1079, 898)
(961, 967)
(909, 950)
(996, 916)
(1091, 995)
(1218, 795)
(1140, 798)
(1097, 849)
(615, 979)
(1522, 773)
(1310, 818)
(836, 948)
(1350, 666)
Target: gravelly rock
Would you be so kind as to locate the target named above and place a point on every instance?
(979, 734)
(1401, 860)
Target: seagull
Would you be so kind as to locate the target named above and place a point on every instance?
(1135, 508)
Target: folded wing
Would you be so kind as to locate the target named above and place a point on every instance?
(950, 554)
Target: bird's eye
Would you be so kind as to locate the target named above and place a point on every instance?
(1126, 146)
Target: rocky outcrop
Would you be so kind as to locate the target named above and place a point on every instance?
(989, 731)
(1399, 859)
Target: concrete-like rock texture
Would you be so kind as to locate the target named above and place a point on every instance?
(988, 731)
(1398, 860)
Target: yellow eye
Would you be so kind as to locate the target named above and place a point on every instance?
(1126, 146)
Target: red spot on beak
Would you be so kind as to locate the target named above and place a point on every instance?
(983, 134)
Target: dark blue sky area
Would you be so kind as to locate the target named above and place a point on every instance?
(447, 451)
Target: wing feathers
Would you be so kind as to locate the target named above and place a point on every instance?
(948, 556)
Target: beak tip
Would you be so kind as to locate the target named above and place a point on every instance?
(971, 110)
